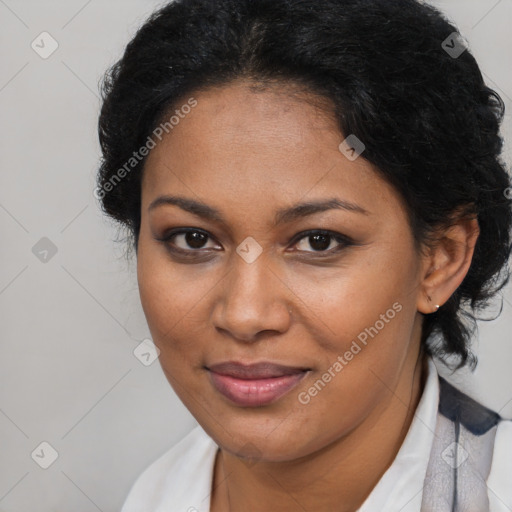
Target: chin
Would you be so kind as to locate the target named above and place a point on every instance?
(266, 439)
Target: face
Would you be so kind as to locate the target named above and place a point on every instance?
(281, 328)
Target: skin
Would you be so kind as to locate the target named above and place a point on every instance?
(249, 153)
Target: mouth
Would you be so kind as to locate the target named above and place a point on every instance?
(254, 385)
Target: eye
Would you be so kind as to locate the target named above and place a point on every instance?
(187, 241)
(191, 240)
(321, 240)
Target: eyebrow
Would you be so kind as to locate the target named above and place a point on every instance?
(283, 215)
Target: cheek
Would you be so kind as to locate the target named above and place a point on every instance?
(371, 290)
(364, 314)
(170, 296)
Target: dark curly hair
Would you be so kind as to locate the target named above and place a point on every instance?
(428, 121)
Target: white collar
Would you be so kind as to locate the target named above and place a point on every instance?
(401, 486)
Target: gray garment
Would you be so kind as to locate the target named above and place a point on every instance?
(461, 455)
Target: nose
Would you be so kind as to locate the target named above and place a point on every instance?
(252, 300)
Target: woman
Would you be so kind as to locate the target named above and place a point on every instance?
(316, 199)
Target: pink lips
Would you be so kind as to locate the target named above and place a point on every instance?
(254, 385)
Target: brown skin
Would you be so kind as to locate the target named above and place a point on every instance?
(248, 154)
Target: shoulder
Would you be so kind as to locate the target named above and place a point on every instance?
(500, 477)
(177, 480)
(484, 423)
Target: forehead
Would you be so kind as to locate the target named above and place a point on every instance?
(266, 145)
(241, 118)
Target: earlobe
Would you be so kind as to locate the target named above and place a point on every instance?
(437, 306)
(427, 305)
(448, 264)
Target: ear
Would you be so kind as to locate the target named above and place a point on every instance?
(447, 263)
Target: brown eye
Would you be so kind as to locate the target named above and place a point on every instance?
(322, 241)
(185, 240)
(195, 239)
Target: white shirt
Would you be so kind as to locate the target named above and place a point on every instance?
(181, 479)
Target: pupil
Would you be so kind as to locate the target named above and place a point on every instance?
(195, 239)
(322, 238)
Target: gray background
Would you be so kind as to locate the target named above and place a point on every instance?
(70, 325)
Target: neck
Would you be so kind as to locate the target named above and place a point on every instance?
(340, 476)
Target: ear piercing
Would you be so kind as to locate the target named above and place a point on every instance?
(437, 305)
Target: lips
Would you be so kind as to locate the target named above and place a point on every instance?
(254, 385)
(254, 371)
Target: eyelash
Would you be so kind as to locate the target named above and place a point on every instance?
(343, 240)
